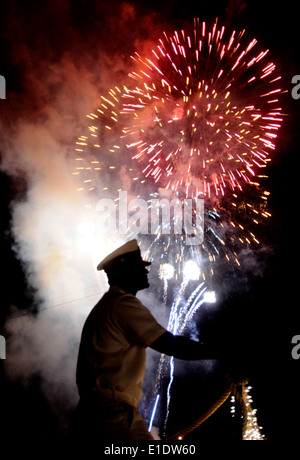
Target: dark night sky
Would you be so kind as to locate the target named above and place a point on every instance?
(57, 57)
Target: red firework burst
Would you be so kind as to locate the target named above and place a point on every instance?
(205, 113)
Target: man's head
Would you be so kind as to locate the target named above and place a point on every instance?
(126, 268)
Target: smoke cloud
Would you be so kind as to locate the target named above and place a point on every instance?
(61, 58)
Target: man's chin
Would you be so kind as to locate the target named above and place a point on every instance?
(144, 285)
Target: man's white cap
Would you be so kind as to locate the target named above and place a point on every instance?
(127, 248)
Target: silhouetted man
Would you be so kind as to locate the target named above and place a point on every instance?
(112, 352)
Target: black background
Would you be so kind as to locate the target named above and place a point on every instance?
(265, 334)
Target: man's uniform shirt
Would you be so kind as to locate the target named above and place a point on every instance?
(112, 352)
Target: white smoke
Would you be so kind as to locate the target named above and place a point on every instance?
(47, 241)
(53, 234)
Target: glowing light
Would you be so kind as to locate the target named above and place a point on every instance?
(191, 270)
(209, 297)
(166, 271)
(252, 431)
(153, 412)
(86, 228)
(86, 236)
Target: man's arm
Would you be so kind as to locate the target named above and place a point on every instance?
(183, 348)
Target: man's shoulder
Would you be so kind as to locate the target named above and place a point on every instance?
(104, 306)
(116, 296)
(127, 298)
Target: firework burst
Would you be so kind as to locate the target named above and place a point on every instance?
(205, 111)
(197, 119)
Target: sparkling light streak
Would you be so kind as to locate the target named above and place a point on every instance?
(181, 314)
(252, 431)
(153, 412)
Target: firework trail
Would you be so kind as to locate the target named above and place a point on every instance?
(181, 313)
(179, 317)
